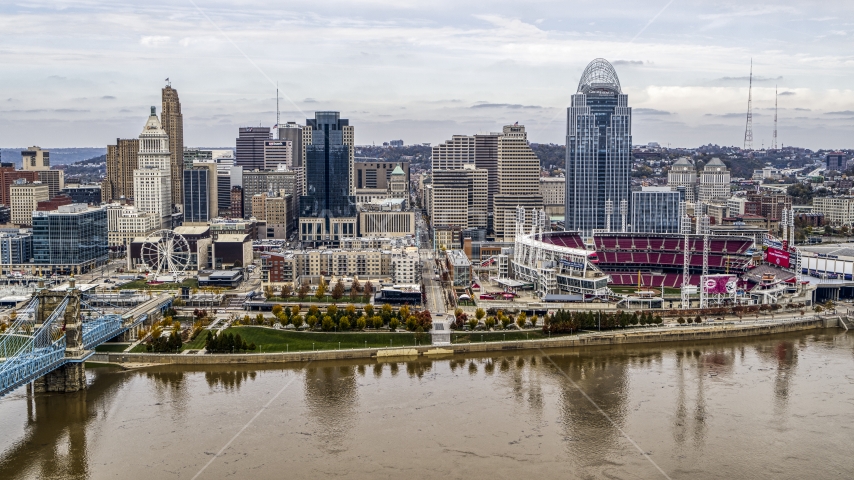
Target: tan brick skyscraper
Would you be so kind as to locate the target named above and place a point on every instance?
(173, 123)
(121, 162)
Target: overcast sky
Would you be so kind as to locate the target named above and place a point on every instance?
(84, 72)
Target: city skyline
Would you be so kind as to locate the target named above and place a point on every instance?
(425, 73)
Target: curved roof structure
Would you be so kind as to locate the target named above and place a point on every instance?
(599, 76)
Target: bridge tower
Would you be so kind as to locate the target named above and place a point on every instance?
(71, 376)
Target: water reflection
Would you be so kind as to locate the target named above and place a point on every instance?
(516, 413)
(55, 442)
(588, 434)
(783, 356)
(228, 379)
(331, 396)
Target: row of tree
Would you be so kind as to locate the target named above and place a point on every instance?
(564, 321)
(162, 344)
(286, 291)
(227, 342)
(347, 318)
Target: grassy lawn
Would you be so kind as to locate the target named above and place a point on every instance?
(142, 285)
(477, 337)
(197, 344)
(112, 347)
(269, 340)
(139, 348)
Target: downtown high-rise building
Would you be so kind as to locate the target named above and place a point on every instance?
(121, 162)
(501, 163)
(250, 147)
(35, 159)
(152, 180)
(172, 122)
(683, 174)
(201, 193)
(598, 151)
(714, 182)
(518, 182)
(299, 136)
(327, 210)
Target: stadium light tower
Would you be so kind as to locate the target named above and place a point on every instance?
(624, 212)
(686, 255)
(609, 209)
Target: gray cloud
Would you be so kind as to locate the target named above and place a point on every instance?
(650, 111)
(108, 97)
(843, 112)
(627, 62)
(733, 115)
(504, 105)
(786, 94)
(56, 77)
(747, 79)
(309, 100)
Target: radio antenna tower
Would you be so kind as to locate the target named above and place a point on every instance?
(277, 106)
(748, 130)
(774, 139)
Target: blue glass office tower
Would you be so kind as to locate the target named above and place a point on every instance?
(72, 238)
(198, 182)
(328, 207)
(598, 151)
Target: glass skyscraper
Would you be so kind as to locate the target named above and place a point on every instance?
(200, 202)
(72, 238)
(656, 210)
(598, 151)
(329, 194)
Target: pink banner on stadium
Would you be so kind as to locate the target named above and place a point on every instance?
(778, 257)
(717, 284)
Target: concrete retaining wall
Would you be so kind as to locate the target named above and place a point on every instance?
(677, 334)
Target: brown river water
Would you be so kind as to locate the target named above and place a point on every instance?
(773, 407)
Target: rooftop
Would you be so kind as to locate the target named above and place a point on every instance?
(599, 76)
(232, 237)
(458, 258)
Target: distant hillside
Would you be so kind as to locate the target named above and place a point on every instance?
(419, 153)
(552, 157)
(58, 156)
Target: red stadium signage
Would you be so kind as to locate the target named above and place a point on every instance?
(719, 284)
(777, 257)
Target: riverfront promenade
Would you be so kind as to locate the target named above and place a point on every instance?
(666, 333)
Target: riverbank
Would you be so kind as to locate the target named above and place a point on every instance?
(591, 339)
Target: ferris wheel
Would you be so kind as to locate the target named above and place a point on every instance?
(165, 252)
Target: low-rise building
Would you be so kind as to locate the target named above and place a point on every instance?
(553, 190)
(24, 200)
(16, 248)
(292, 266)
(231, 250)
(459, 267)
(836, 210)
(406, 266)
(386, 223)
(124, 223)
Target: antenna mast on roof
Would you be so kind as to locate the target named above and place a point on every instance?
(277, 106)
(774, 139)
(748, 130)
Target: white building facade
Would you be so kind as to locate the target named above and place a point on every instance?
(152, 180)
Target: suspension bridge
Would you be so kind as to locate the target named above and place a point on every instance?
(50, 338)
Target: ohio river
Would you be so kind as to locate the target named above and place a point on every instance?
(774, 407)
